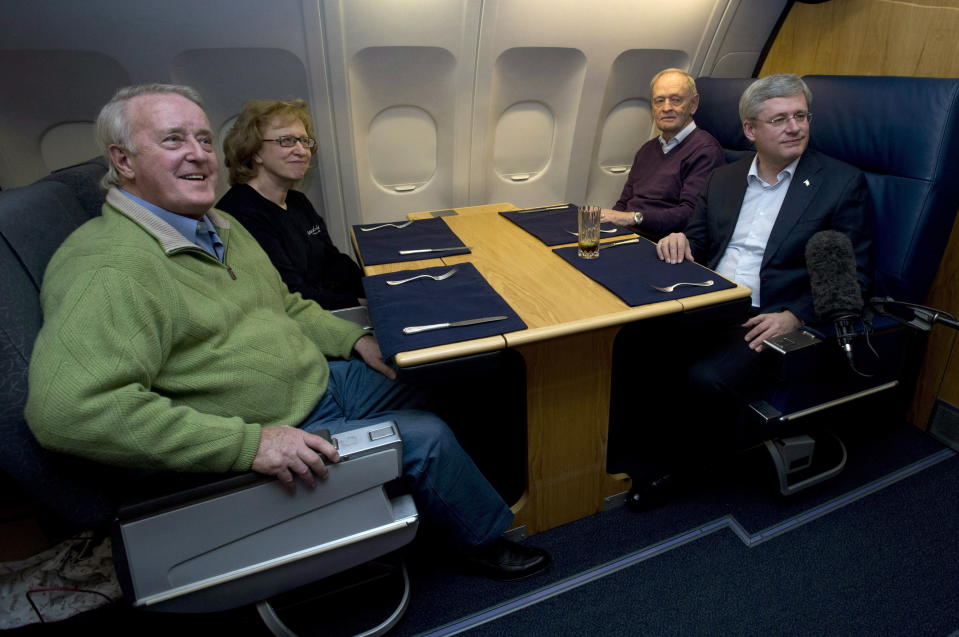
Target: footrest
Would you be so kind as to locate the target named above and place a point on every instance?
(800, 462)
(366, 601)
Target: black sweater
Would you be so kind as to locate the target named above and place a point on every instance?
(299, 245)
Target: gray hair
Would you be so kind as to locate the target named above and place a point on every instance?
(113, 125)
(691, 83)
(782, 85)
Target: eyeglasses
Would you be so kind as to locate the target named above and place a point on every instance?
(289, 141)
(780, 121)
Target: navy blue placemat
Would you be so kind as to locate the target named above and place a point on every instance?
(383, 244)
(553, 227)
(628, 271)
(465, 295)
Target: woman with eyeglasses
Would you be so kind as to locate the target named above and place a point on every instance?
(267, 151)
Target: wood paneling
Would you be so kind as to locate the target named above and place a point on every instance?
(868, 37)
(917, 38)
(939, 377)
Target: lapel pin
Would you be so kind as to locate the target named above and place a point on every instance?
(806, 182)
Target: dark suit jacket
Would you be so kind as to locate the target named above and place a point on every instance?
(836, 198)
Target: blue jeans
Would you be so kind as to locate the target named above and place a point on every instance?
(450, 492)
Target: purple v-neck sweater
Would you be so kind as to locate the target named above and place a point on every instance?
(665, 187)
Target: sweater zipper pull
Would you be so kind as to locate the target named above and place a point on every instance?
(230, 270)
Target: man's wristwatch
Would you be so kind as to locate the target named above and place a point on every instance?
(638, 218)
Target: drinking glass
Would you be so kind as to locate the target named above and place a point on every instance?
(589, 232)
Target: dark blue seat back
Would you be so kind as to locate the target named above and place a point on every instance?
(866, 122)
(905, 153)
(84, 180)
(34, 221)
(719, 113)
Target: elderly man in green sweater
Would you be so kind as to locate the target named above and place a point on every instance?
(170, 342)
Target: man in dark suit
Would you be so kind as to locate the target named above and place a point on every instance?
(751, 225)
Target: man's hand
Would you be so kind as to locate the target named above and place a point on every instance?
(766, 326)
(673, 248)
(369, 351)
(624, 219)
(284, 451)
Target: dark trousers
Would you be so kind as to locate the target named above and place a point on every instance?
(681, 392)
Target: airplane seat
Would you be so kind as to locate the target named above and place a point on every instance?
(859, 120)
(197, 543)
(84, 180)
(34, 220)
(718, 113)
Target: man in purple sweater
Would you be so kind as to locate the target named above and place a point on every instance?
(670, 171)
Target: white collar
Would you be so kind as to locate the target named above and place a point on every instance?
(680, 136)
(788, 171)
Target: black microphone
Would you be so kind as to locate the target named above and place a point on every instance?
(836, 295)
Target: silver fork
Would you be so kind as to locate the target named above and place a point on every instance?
(670, 288)
(435, 277)
(392, 225)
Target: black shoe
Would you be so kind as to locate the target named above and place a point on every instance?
(650, 494)
(507, 561)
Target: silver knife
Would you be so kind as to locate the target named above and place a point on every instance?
(618, 243)
(523, 211)
(433, 250)
(438, 326)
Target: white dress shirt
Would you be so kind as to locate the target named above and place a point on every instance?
(744, 254)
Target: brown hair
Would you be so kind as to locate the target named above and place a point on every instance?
(246, 137)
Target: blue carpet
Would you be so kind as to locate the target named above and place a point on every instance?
(883, 565)
(735, 558)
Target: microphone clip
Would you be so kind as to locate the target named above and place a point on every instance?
(846, 331)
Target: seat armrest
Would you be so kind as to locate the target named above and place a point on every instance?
(792, 355)
(358, 314)
(786, 344)
(187, 556)
(166, 491)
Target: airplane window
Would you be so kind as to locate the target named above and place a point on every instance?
(68, 144)
(402, 148)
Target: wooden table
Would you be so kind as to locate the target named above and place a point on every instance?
(567, 348)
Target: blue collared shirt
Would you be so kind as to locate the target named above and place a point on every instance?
(202, 232)
(680, 136)
(744, 255)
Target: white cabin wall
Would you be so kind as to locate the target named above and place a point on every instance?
(418, 104)
(397, 65)
(230, 50)
(518, 39)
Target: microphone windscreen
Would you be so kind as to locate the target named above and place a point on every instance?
(831, 262)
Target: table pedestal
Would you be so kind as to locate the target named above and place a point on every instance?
(567, 409)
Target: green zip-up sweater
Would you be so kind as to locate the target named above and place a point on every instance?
(154, 354)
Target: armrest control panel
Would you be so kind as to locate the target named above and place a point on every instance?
(361, 442)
